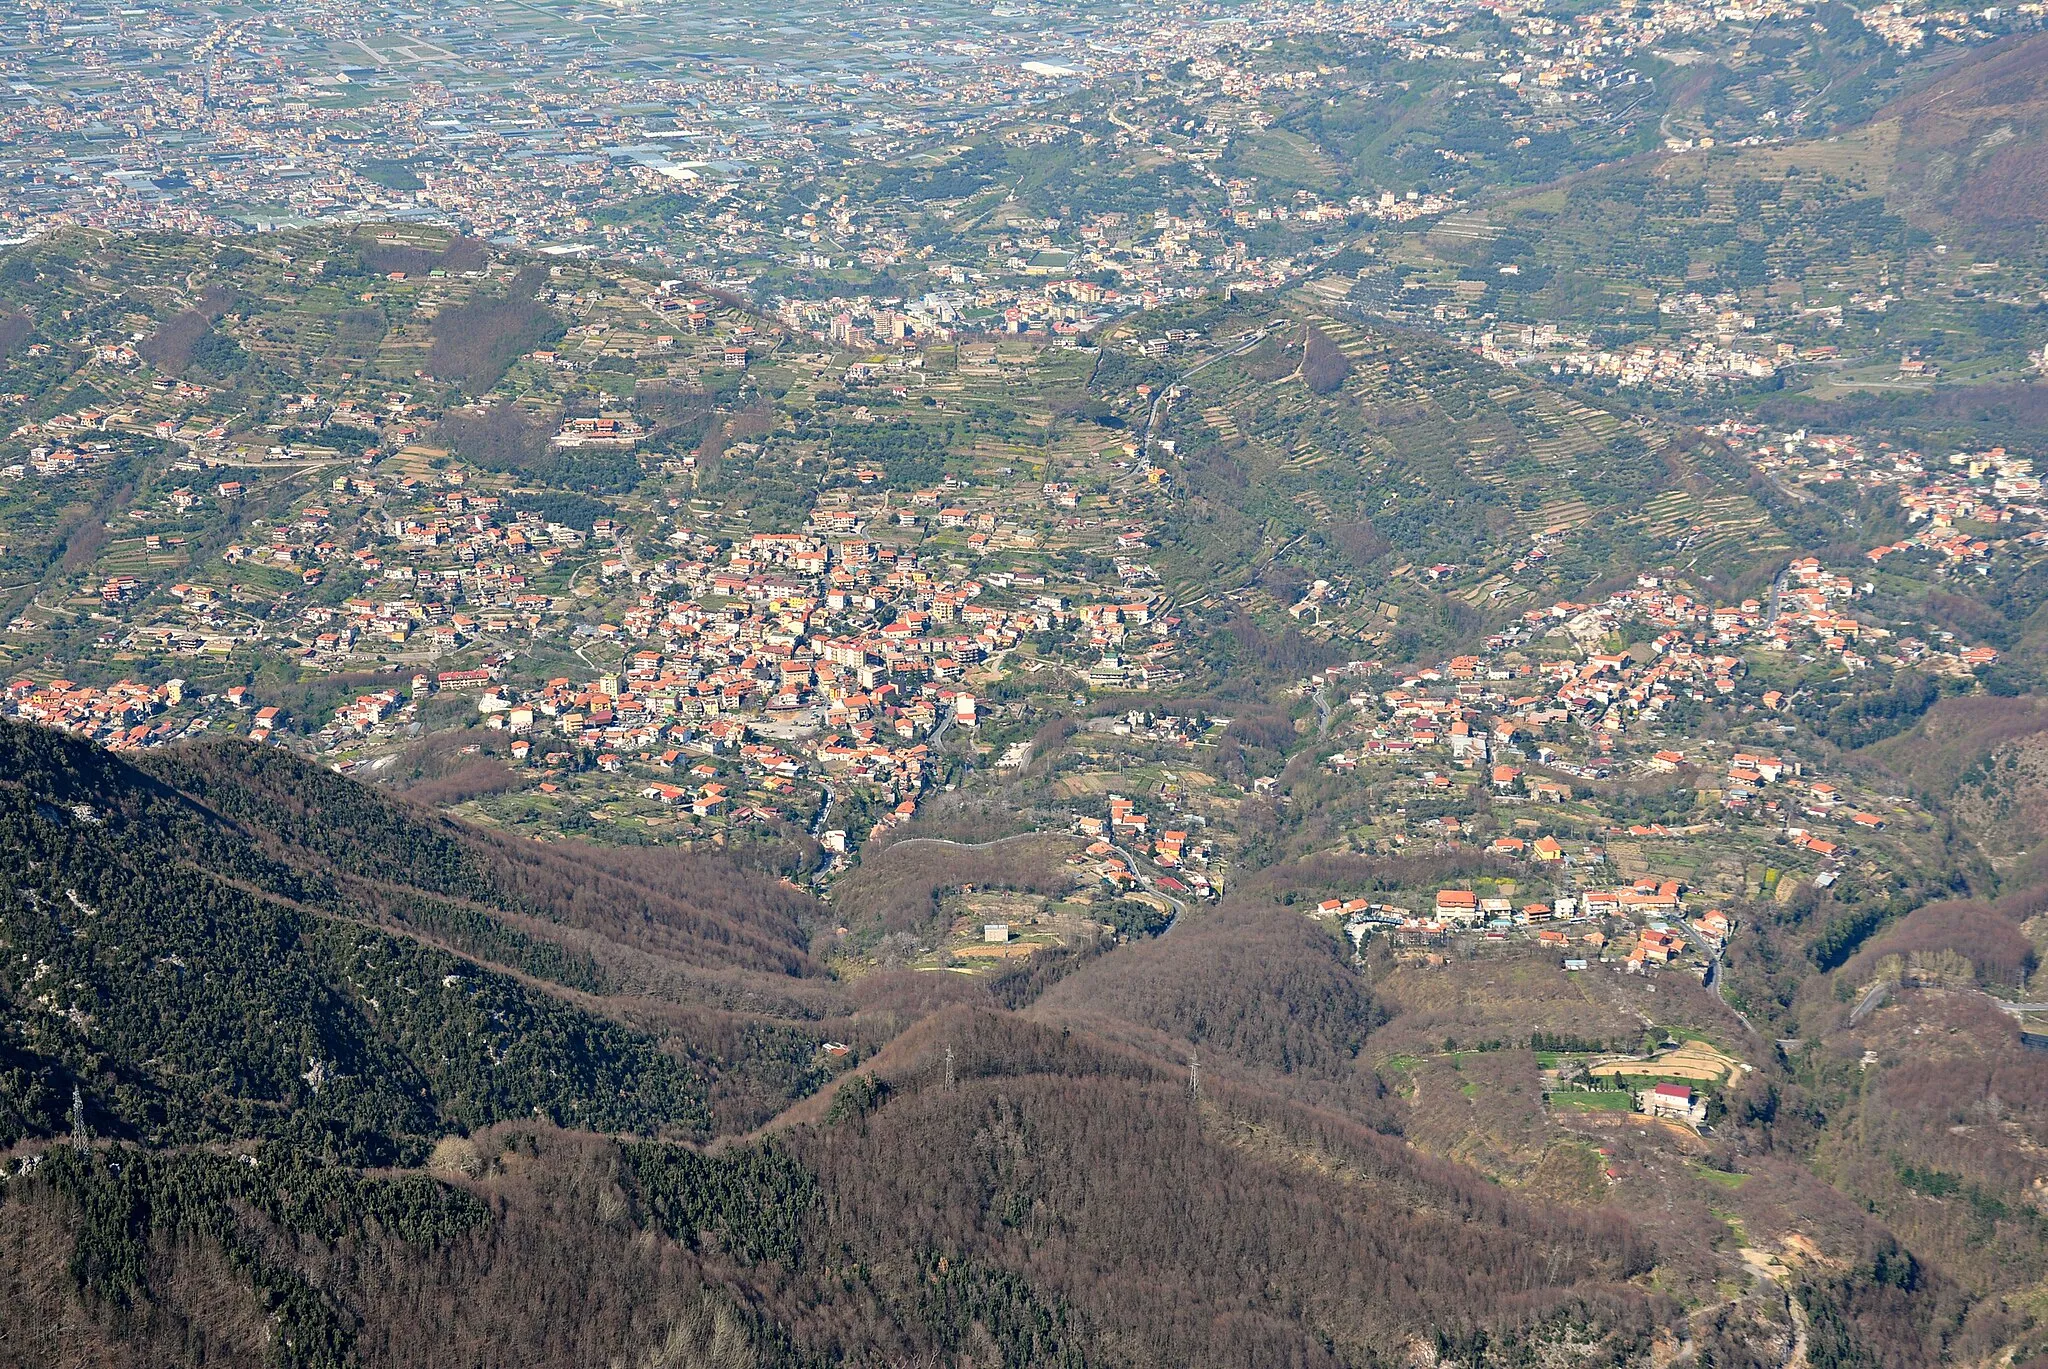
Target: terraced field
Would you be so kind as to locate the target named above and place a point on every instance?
(1516, 489)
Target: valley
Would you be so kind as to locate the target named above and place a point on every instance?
(1354, 689)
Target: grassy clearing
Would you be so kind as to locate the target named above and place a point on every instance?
(1720, 1178)
(1597, 1100)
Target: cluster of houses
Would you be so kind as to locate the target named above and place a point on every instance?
(445, 574)
(56, 462)
(819, 626)
(1697, 363)
(844, 628)
(1644, 923)
(1548, 711)
(122, 716)
(1511, 740)
(1962, 508)
(131, 716)
(1481, 708)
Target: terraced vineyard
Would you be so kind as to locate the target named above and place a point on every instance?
(1505, 490)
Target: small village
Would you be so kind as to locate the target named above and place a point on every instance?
(833, 657)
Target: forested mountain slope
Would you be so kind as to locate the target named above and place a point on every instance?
(225, 978)
(334, 1097)
(203, 972)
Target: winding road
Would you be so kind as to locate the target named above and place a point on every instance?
(1777, 593)
(1711, 982)
(1245, 344)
